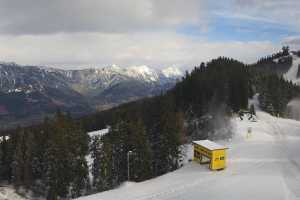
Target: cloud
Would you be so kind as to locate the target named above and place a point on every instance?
(133, 32)
(285, 12)
(113, 16)
(157, 49)
(292, 41)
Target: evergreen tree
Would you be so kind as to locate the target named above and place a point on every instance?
(79, 167)
(141, 167)
(66, 166)
(170, 135)
(102, 163)
(28, 155)
(18, 159)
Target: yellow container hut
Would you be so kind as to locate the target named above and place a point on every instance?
(206, 151)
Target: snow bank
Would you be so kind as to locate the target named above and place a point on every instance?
(8, 193)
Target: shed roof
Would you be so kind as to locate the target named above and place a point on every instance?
(99, 133)
(210, 145)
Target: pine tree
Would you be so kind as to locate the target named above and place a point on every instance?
(96, 150)
(28, 155)
(18, 159)
(102, 163)
(2, 152)
(57, 174)
(22, 159)
(79, 167)
(8, 149)
(170, 130)
(141, 165)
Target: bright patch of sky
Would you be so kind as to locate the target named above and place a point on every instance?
(226, 26)
(231, 29)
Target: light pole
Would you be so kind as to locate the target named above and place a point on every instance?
(128, 164)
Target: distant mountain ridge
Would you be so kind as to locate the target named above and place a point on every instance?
(31, 90)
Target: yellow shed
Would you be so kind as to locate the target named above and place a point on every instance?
(214, 153)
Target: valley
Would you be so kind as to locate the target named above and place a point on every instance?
(29, 93)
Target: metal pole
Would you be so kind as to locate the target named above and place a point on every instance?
(128, 165)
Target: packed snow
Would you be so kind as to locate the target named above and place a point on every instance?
(262, 165)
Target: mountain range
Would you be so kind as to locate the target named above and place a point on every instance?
(29, 92)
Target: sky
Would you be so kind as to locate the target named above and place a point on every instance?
(157, 33)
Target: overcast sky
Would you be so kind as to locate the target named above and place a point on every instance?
(158, 33)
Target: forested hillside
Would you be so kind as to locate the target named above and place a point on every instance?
(49, 159)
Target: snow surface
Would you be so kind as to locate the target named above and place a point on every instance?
(210, 145)
(172, 72)
(291, 75)
(100, 133)
(8, 193)
(264, 165)
(2, 138)
(89, 159)
(144, 72)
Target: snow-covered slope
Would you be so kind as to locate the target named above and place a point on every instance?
(265, 165)
(291, 75)
(172, 72)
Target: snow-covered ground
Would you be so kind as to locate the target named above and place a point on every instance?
(99, 133)
(291, 74)
(265, 165)
(8, 193)
(89, 159)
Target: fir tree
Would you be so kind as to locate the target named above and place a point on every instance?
(141, 167)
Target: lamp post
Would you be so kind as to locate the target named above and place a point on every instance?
(128, 164)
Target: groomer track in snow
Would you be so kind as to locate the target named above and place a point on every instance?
(265, 165)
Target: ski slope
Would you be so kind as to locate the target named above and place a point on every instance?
(264, 166)
(291, 74)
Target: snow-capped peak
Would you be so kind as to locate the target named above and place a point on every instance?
(143, 72)
(142, 69)
(172, 72)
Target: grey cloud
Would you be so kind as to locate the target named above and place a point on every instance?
(293, 41)
(53, 16)
(159, 49)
